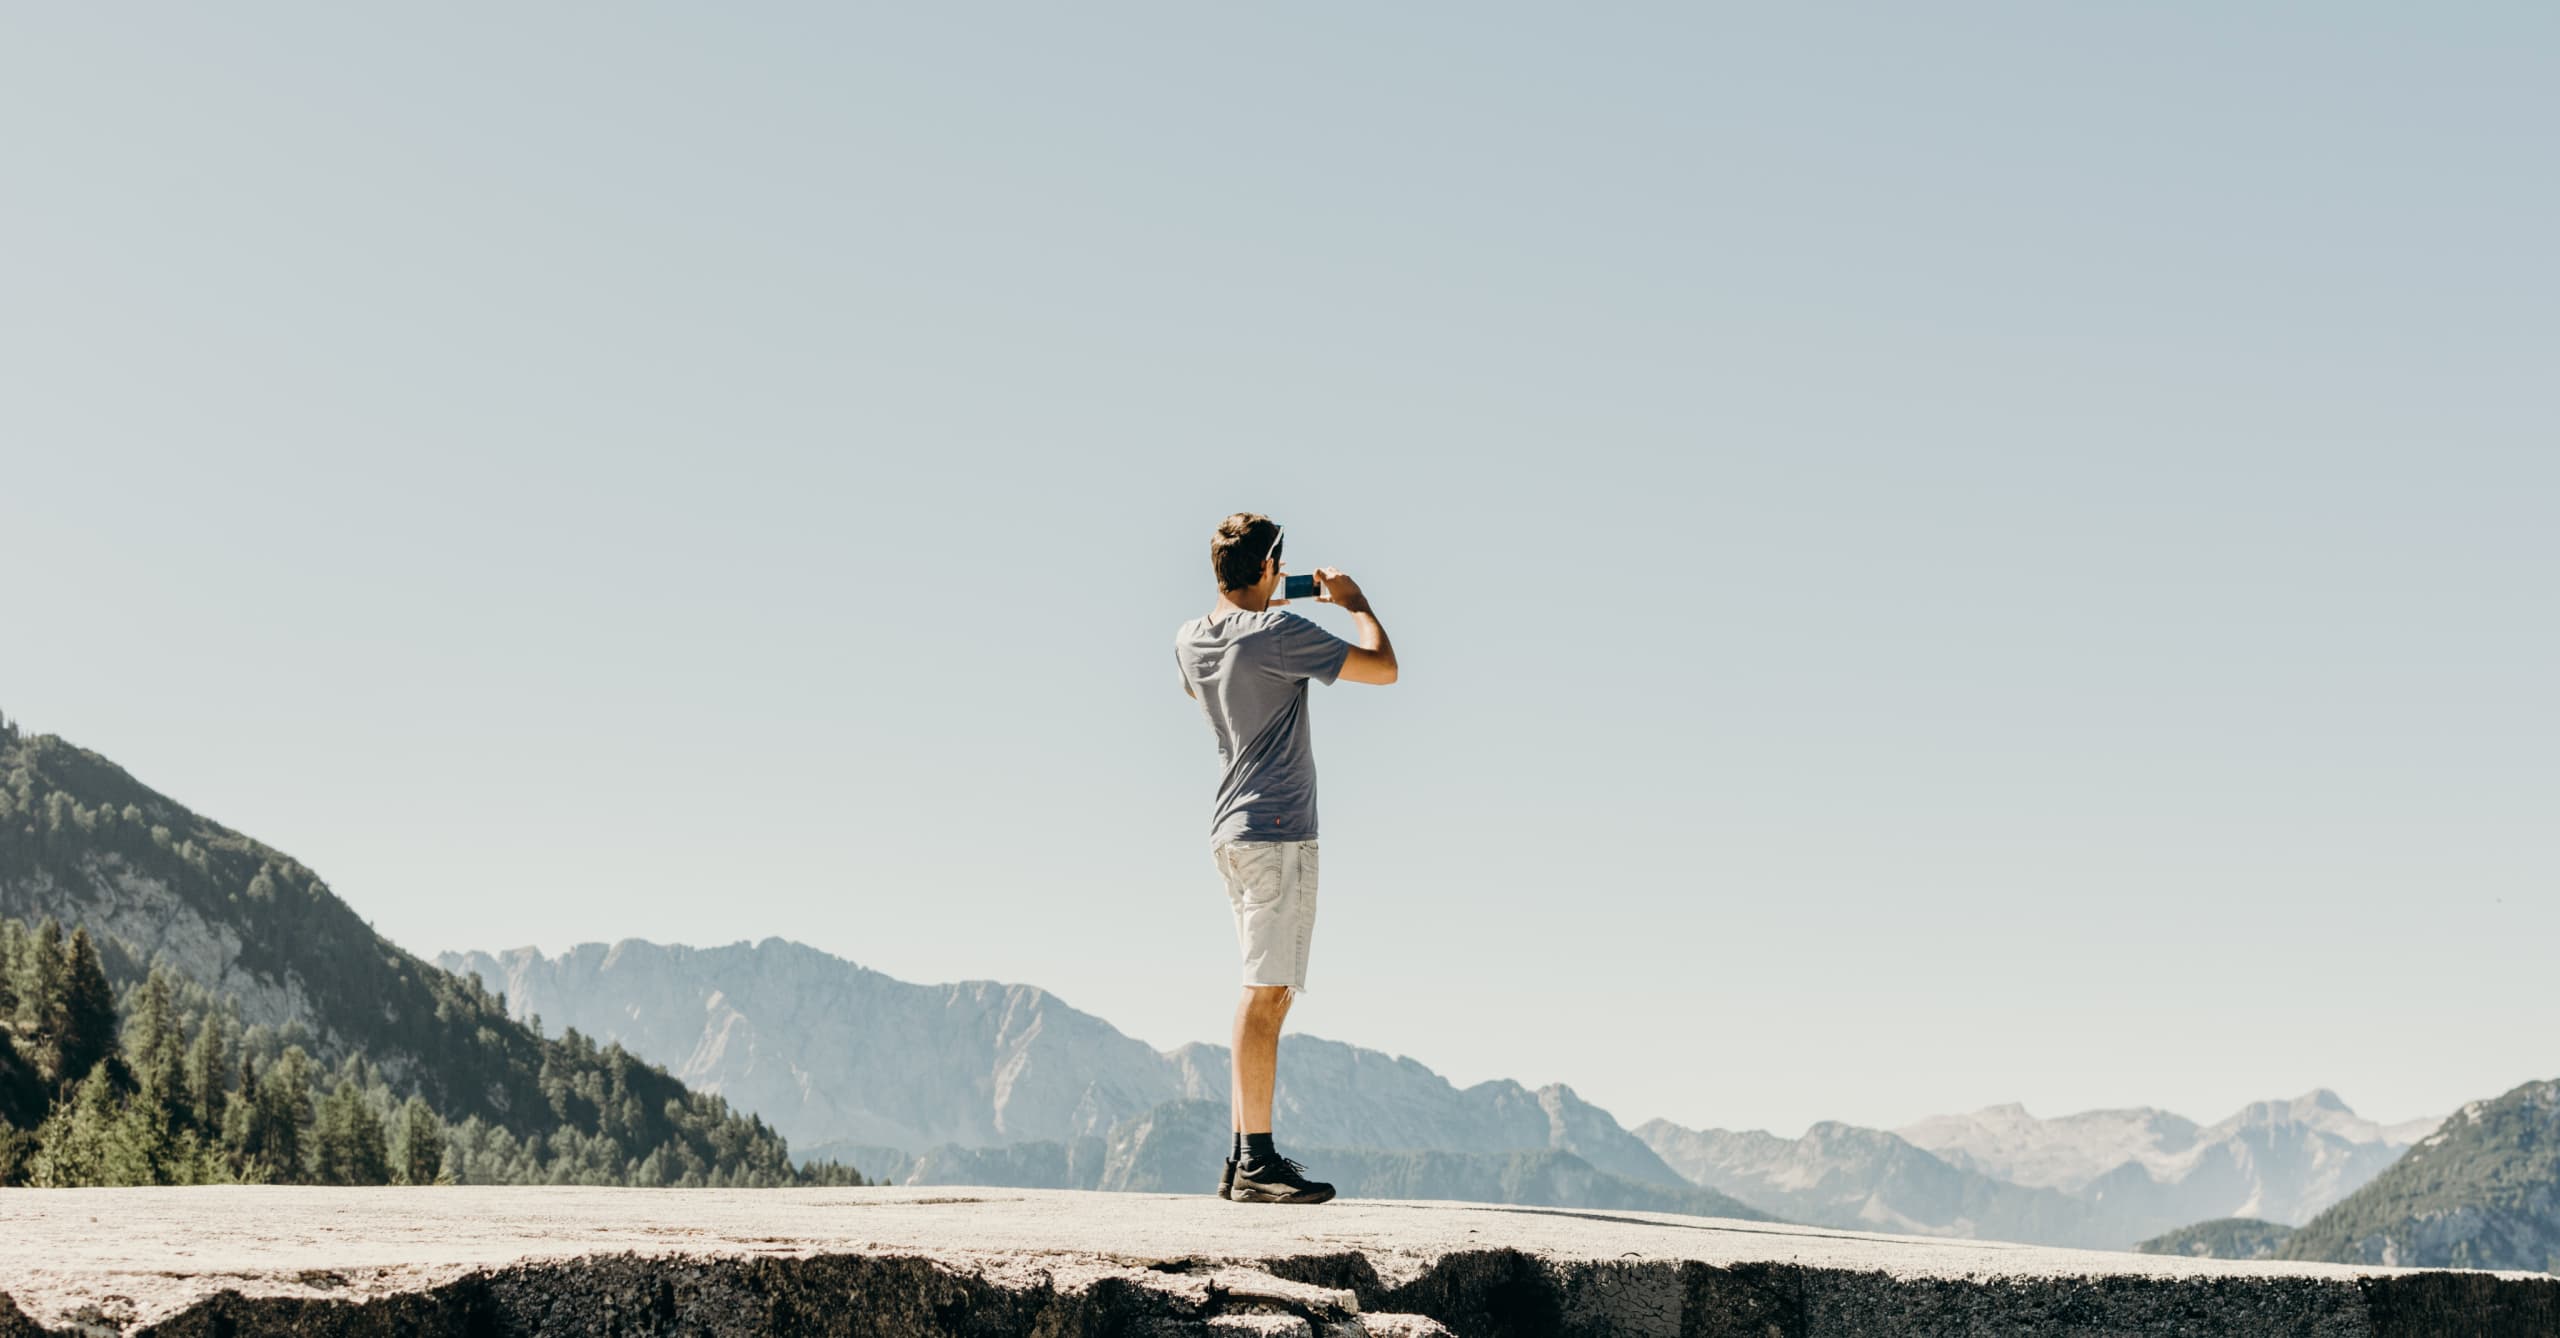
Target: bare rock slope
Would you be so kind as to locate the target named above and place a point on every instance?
(894, 1261)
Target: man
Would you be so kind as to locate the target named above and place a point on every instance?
(1248, 664)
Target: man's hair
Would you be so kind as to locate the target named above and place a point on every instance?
(1244, 540)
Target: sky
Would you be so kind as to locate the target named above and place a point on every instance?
(1939, 558)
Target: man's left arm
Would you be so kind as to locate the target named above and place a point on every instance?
(1373, 657)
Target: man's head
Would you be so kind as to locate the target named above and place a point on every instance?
(1245, 555)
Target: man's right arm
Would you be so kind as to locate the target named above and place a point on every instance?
(1373, 657)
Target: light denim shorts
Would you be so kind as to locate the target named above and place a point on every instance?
(1272, 887)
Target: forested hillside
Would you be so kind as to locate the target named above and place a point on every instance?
(2221, 1238)
(2483, 1191)
(260, 960)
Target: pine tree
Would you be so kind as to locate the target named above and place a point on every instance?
(39, 990)
(346, 1139)
(22, 1094)
(88, 1015)
(207, 1061)
(152, 1047)
(87, 1141)
(240, 1127)
(283, 1110)
(417, 1145)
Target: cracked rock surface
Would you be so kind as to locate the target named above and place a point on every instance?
(483, 1261)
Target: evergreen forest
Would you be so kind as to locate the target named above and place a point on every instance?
(164, 1087)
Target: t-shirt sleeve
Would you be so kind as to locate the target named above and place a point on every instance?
(1303, 650)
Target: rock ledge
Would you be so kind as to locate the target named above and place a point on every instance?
(897, 1261)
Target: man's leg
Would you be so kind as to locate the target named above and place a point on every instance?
(1262, 1175)
(1257, 1055)
(1273, 887)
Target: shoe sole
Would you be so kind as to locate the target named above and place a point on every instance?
(1244, 1193)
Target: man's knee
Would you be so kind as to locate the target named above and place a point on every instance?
(1266, 1000)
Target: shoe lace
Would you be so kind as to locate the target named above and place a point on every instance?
(1275, 1167)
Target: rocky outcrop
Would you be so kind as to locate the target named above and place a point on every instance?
(491, 1263)
(148, 921)
(630, 1294)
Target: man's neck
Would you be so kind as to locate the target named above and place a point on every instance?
(1239, 601)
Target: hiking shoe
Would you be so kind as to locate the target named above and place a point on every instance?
(1227, 1178)
(1276, 1180)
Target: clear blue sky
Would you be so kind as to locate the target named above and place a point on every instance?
(1996, 553)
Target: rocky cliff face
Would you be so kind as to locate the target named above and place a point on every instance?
(146, 921)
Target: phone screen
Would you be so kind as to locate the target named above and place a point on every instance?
(1298, 587)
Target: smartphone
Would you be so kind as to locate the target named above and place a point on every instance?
(1297, 587)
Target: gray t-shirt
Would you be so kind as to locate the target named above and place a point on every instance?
(1250, 672)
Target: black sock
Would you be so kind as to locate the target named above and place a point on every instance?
(1256, 1147)
(1238, 1153)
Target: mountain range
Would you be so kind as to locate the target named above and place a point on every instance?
(688, 1053)
(2281, 1160)
(985, 1082)
(847, 1061)
(2102, 1179)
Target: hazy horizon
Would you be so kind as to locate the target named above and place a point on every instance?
(1627, 1119)
(1937, 559)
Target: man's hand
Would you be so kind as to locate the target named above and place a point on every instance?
(1373, 657)
(1333, 587)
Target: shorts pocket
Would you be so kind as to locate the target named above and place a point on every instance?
(1254, 871)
